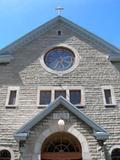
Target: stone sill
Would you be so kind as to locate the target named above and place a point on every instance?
(77, 106)
(80, 106)
(11, 107)
(42, 106)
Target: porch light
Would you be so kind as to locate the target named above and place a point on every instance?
(61, 124)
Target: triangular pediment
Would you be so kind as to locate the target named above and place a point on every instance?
(113, 51)
(98, 131)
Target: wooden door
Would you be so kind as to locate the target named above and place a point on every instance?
(61, 156)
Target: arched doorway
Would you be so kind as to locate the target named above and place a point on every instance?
(115, 154)
(5, 155)
(61, 146)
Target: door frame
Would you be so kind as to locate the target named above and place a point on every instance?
(47, 132)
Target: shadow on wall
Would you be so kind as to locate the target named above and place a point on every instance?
(28, 55)
(117, 65)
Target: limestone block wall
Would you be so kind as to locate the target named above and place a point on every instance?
(94, 70)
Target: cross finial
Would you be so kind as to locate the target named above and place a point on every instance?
(59, 9)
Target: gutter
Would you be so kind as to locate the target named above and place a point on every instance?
(114, 58)
(4, 59)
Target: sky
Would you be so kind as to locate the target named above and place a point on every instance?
(18, 17)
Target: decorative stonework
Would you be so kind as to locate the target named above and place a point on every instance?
(42, 137)
(112, 95)
(76, 59)
(61, 115)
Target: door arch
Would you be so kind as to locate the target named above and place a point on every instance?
(61, 146)
(5, 155)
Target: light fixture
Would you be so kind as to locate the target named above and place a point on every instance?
(61, 124)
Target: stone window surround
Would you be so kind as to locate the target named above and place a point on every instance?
(112, 96)
(59, 32)
(12, 88)
(9, 150)
(77, 57)
(66, 88)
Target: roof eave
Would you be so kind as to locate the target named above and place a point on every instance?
(44, 28)
(98, 135)
(23, 40)
(21, 136)
(114, 58)
(92, 35)
(5, 59)
(101, 135)
(27, 127)
(51, 107)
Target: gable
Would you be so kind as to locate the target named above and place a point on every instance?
(99, 132)
(26, 56)
(56, 22)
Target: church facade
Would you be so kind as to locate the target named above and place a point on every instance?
(60, 95)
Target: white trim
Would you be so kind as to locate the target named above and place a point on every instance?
(10, 150)
(12, 88)
(111, 149)
(66, 88)
(76, 61)
(112, 95)
(72, 130)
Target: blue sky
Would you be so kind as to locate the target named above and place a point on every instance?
(18, 17)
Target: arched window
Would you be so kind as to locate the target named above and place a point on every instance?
(5, 155)
(115, 154)
(62, 145)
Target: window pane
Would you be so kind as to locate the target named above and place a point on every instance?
(12, 98)
(108, 97)
(75, 96)
(60, 93)
(45, 97)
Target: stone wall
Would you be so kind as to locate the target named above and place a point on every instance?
(94, 70)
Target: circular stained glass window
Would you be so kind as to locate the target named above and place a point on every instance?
(59, 59)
